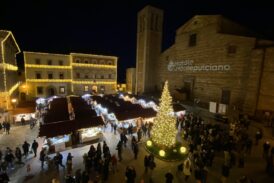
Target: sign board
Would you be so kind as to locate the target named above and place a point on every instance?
(60, 147)
(212, 107)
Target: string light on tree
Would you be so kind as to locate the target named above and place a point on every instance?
(164, 128)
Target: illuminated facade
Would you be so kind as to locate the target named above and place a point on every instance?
(8, 69)
(211, 59)
(131, 80)
(50, 74)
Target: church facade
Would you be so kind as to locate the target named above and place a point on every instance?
(212, 59)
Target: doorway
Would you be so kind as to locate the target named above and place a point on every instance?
(188, 87)
(23, 96)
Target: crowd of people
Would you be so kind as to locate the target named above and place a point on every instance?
(9, 158)
(5, 126)
(204, 140)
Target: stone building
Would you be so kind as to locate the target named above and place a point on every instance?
(50, 74)
(212, 59)
(131, 80)
(8, 69)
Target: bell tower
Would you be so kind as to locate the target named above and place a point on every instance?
(149, 43)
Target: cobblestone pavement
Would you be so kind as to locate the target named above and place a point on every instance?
(254, 167)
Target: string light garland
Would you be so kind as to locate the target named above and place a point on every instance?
(164, 126)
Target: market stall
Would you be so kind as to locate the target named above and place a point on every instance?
(90, 134)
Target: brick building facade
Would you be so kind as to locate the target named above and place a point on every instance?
(212, 59)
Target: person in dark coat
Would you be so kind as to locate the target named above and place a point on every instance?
(22, 120)
(42, 158)
(146, 163)
(169, 177)
(130, 174)
(119, 148)
(7, 128)
(85, 177)
(9, 158)
(135, 150)
(18, 155)
(78, 176)
(266, 148)
(26, 148)
(34, 147)
(139, 134)
(4, 177)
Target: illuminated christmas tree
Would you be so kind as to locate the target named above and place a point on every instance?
(164, 127)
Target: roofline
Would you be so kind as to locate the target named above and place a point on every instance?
(45, 53)
(70, 54)
(10, 34)
(87, 54)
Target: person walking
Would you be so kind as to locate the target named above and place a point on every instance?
(9, 158)
(58, 159)
(69, 164)
(119, 148)
(114, 128)
(7, 128)
(18, 155)
(135, 150)
(26, 148)
(169, 177)
(139, 134)
(130, 174)
(22, 121)
(266, 148)
(34, 147)
(146, 163)
(114, 163)
(187, 169)
(225, 173)
(42, 158)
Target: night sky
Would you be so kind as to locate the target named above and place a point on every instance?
(109, 27)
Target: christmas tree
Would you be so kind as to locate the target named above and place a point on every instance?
(164, 127)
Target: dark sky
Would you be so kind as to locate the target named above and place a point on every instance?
(109, 27)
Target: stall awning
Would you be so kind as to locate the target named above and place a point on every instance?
(67, 127)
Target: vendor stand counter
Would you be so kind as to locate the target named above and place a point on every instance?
(90, 134)
(27, 117)
(57, 144)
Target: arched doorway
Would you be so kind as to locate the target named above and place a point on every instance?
(23, 96)
(51, 91)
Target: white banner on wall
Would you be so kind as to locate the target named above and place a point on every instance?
(222, 108)
(212, 107)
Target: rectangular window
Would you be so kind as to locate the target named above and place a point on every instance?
(231, 49)
(49, 62)
(78, 75)
(38, 75)
(61, 89)
(50, 76)
(37, 61)
(39, 90)
(86, 88)
(109, 76)
(102, 76)
(192, 40)
(86, 76)
(61, 75)
(60, 62)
